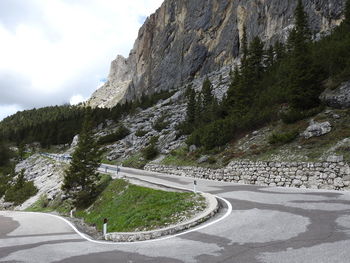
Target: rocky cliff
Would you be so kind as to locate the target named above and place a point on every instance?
(186, 39)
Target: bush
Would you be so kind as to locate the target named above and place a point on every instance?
(150, 152)
(293, 115)
(120, 134)
(135, 161)
(140, 133)
(20, 191)
(4, 179)
(283, 138)
(160, 124)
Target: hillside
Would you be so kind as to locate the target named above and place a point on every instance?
(184, 40)
(257, 109)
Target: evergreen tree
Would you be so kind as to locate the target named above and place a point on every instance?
(199, 110)
(303, 79)
(232, 90)
(208, 101)
(269, 57)
(81, 177)
(347, 13)
(207, 93)
(191, 106)
(255, 60)
(4, 154)
(280, 51)
(244, 46)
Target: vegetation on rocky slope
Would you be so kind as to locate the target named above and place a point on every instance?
(81, 178)
(58, 124)
(134, 208)
(284, 81)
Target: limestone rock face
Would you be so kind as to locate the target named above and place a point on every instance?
(46, 174)
(338, 98)
(317, 129)
(186, 39)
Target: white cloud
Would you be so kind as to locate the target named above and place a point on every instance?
(62, 48)
(6, 110)
(76, 99)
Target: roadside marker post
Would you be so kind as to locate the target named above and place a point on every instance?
(194, 186)
(105, 227)
(71, 212)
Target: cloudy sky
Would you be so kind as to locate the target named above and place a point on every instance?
(59, 51)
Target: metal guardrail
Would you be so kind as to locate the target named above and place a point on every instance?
(59, 157)
(67, 158)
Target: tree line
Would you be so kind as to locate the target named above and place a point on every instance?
(57, 125)
(292, 74)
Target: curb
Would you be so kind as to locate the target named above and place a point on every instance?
(211, 210)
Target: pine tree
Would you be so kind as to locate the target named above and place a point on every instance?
(191, 106)
(199, 110)
(244, 45)
(303, 79)
(4, 154)
(280, 51)
(208, 111)
(81, 177)
(255, 60)
(269, 58)
(347, 13)
(232, 90)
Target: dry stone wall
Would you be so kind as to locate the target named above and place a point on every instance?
(323, 175)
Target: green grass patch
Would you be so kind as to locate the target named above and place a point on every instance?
(133, 208)
(106, 161)
(135, 161)
(63, 207)
(179, 157)
(283, 138)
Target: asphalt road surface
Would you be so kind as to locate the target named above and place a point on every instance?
(265, 225)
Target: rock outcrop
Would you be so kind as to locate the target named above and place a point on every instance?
(317, 129)
(46, 174)
(338, 98)
(186, 39)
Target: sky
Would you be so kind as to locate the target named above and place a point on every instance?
(59, 51)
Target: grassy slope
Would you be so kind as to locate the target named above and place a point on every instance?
(257, 147)
(133, 208)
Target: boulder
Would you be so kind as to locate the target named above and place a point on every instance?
(335, 158)
(338, 98)
(203, 159)
(317, 129)
(192, 148)
(75, 141)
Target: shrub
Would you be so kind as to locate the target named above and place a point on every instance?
(120, 134)
(160, 124)
(20, 191)
(135, 161)
(140, 133)
(150, 152)
(154, 140)
(283, 138)
(294, 115)
(4, 179)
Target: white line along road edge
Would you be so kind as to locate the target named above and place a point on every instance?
(229, 210)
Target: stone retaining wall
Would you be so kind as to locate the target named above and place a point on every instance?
(325, 175)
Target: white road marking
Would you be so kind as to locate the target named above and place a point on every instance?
(229, 210)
